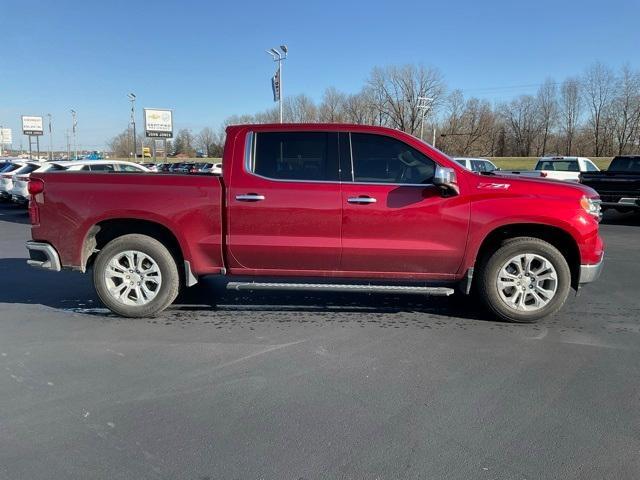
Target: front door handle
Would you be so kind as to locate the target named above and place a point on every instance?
(361, 200)
(250, 197)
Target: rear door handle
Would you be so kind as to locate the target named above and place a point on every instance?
(250, 197)
(361, 200)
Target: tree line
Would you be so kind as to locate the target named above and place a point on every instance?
(596, 113)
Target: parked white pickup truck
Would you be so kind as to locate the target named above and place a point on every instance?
(567, 169)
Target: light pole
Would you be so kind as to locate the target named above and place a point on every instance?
(278, 56)
(132, 99)
(50, 139)
(74, 124)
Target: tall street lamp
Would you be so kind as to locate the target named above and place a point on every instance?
(132, 99)
(73, 129)
(276, 81)
(50, 139)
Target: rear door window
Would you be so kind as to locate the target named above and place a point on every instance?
(302, 156)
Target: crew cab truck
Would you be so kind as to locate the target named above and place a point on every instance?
(321, 207)
(619, 185)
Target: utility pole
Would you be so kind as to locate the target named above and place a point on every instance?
(278, 56)
(66, 133)
(75, 139)
(132, 99)
(425, 104)
(50, 139)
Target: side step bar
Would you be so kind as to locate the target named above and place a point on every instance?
(326, 287)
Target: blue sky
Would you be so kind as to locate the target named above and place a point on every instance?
(206, 59)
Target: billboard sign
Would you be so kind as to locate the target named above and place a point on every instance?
(32, 126)
(158, 123)
(6, 137)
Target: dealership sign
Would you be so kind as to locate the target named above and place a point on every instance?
(5, 136)
(32, 125)
(158, 123)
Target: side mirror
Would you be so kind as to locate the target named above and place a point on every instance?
(446, 179)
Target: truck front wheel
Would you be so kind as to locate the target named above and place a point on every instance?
(136, 276)
(525, 280)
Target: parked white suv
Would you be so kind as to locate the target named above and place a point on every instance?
(477, 164)
(9, 174)
(103, 166)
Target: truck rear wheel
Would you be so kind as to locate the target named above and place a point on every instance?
(525, 280)
(136, 276)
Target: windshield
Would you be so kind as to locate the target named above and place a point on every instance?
(625, 164)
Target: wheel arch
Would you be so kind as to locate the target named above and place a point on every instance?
(104, 231)
(559, 238)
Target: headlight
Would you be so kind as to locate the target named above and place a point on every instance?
(592, 206)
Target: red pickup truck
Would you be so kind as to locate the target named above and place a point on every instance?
(325, 207)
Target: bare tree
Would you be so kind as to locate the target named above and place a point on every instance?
(626, 109)
(332, 108)
(300, 109)
(399, 89)
(598, 87)
(206, 141)
(121, 145)
(547, 99)
(522, 120)
(570, 110)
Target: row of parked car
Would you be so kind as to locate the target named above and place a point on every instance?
(15, 172)
(185, 167)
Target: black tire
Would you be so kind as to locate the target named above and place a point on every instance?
(169, 286)
(490, 267)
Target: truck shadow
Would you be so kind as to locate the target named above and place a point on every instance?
(73, 291)
(612, 217)
(10, 212)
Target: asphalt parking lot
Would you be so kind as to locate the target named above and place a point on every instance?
(316, 386)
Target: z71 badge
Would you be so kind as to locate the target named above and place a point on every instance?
(495, 186)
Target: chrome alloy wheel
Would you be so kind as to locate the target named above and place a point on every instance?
(527, 282)
(133, 278)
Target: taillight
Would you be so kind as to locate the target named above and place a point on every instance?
(35, 186)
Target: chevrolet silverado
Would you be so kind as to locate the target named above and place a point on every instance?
(321, 207)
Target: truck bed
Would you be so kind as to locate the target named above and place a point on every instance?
(189, 207)
(619, 189)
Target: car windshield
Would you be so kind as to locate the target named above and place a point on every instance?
(625, 164)
(559, 165)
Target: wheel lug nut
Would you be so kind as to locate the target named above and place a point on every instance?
(127, 277)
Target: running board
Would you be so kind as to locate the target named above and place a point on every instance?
(326, 287)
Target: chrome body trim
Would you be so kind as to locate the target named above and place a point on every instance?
(250, 197)
(434, 291)
(190, 278)
(362, 200)
(249, 155)
(590, 273)
(53, 260)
